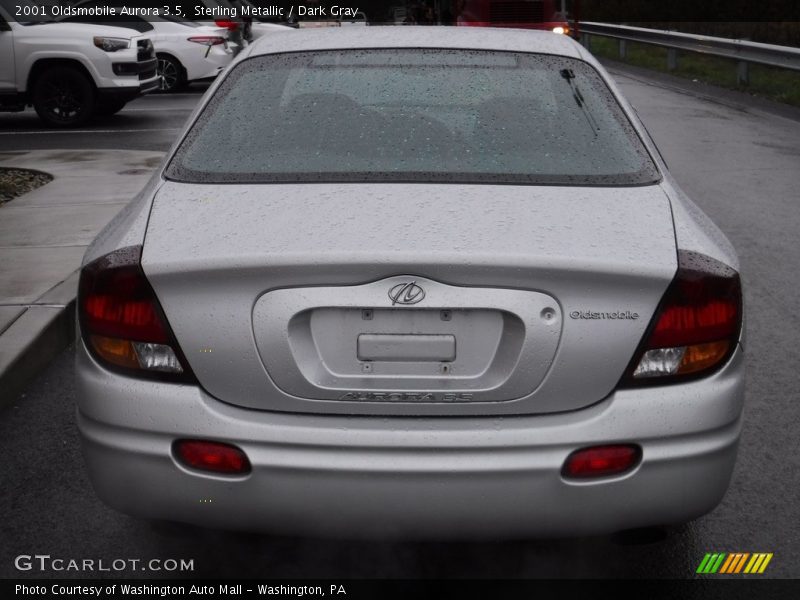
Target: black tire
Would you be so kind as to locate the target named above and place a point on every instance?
(63, 97)
(173, 77)
(110, 107)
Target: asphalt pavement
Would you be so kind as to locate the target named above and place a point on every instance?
(148, 123)
(740, 166)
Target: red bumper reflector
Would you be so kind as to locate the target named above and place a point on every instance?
(214, 457)
(601, 461)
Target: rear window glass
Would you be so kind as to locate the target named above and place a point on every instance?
(411, 115)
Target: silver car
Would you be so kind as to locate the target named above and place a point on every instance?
(412, 282)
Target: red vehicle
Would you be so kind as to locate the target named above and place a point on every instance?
(522, 14)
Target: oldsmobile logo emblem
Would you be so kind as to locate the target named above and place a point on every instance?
(406, 293)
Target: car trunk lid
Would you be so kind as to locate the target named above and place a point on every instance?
(408, 298)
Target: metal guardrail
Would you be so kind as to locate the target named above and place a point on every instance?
(743, 52)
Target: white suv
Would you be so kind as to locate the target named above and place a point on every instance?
(67, 71)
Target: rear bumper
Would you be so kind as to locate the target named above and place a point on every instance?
(411, 477)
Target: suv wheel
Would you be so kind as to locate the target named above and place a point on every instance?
(63, 97)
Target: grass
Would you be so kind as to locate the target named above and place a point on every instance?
(781, 85)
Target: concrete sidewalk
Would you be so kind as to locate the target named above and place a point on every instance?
(43, 236)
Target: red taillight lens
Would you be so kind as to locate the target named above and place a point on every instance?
(696, 326)
(215, 457)
(120, 303)
(601, 461)
(698, 308)
(207, 40)
(227, 24)
(121, 320)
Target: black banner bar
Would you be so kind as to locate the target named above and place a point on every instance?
(729, 588)
(379, 12)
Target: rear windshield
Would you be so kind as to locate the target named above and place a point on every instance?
(411, 115)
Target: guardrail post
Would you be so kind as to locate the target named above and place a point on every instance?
(672, 59)
(623, 48)
(742, 73)
(586, 40)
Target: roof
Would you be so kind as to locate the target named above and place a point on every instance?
(472, 38)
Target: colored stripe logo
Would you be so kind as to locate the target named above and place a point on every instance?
(734, 563)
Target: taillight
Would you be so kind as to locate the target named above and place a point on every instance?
(696, 327)
(601, 461)
(207, 40)
(215, 457)
(227, 24)
(121, 321)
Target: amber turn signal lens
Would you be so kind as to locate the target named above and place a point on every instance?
(117, 352)
(701, 356)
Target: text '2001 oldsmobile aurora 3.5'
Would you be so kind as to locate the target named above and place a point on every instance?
(417, 283)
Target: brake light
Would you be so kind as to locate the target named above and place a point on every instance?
(696, 327)
(215, 457)
(601, 461)
(207, 40)
(122, 322)
(227, 24)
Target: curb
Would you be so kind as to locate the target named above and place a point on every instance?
(43, 332)
(36, 336)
